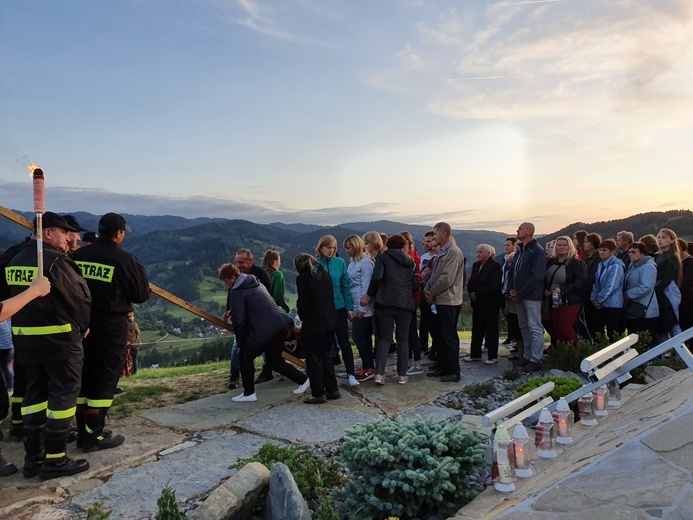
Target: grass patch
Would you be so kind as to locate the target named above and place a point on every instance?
(136, 394)
(145, 374)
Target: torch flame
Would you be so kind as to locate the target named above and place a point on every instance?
(32, 167)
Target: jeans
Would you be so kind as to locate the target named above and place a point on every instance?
(447, 339)
(235, 363)
(529, 318)
(362, 334)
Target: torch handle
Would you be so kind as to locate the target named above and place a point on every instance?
(39, 244)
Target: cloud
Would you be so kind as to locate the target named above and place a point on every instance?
(553, 59)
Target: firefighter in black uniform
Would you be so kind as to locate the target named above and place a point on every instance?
(16, 425)
(38, 287)
(48, 341)
(116, 280)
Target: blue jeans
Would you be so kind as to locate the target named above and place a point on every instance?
(362, 334)
(529, 318)
(235, 363)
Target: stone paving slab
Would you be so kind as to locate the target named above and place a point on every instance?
(133, 493)
(311, 424)
(429, 411)
(608, 456)
(219, 410)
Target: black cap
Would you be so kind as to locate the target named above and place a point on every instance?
(73, 222)
(51, 219)
(110, 223)
(89, 236)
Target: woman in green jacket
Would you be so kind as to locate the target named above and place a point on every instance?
(272, 261)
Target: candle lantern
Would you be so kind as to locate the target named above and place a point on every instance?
(503, 467)
(522, 451)
(563, 418)
(601, 399)
(586, 409)
(545, 435)
(614, 394)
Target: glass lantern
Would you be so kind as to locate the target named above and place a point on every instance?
(563, 419)
(545, 435)
(586, 409)
(614, 394)
(503, 473)
(601, 399)
(522, 450)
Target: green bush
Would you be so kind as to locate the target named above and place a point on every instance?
(564, 385)
(567, 357)
(98, 510)
(310, 472)
(411, 468)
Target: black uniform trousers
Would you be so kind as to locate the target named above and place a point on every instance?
(51, 393)
(104, 354)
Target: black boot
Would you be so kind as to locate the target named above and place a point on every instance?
(33, 451)
(56, 463)
(6, 468)
(97, 438)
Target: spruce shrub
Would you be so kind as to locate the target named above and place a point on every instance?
(410, 468)
(168, 505)
(310, 472)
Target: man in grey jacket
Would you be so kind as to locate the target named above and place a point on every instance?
(444, 289)
(526, 286)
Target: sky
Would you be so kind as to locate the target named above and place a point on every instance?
(482, 114)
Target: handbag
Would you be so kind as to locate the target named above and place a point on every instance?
(635, 310)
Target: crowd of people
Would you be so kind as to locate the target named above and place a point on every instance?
(70, 344)
(579, 287)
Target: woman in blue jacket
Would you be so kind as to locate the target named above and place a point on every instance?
(607, 291)
(325, 252)
(640, 303)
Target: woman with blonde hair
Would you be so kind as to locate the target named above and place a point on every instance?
(272, 261)
(360, 271)
(564, 290)
(669, 276)
(373, 243)
(325, 253)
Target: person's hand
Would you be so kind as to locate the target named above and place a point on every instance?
(350, 315)
(227, 315)
(365, 300)
(428, 297)
(596, 305)
(512, 296)
(547, 293)
(472, 296)
(40, 286)
(86, 333)
(359, 315)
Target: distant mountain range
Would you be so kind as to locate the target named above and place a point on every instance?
(178, 251)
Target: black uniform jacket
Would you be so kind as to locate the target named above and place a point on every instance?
(115, 277)
(48, 329)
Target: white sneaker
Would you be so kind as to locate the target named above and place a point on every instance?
(244, 398)
(353, 381)
(302, 388)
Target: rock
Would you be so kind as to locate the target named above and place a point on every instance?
(655, 373)
(284, 501)
(237, 497)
